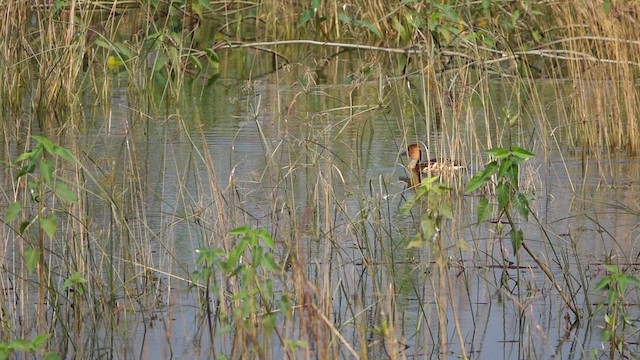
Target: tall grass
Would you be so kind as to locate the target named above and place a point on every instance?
(330, 275)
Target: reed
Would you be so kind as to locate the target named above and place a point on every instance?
(294, 261)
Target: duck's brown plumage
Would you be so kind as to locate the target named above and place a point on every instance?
(433, 166)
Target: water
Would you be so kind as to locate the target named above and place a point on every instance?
(319, 166)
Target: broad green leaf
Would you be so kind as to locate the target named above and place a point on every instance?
(515, 16)
(236, 252)
(522, 153)
(240, 230)
(31, 258)
(498, 153)
(513, 172)
(48, 225)
(196, 61)
(269, 264)
(46, 170)
(65, 193)
(21, 345)
(75, 281)
(48, 145)
(50, 355)
(65, 154)
(416, 242)
(485, 209)
(446, 210)
(374, 29)
(481, 178)
(40, 340)
(206, 4)
(517, 237)
(264, 234)
(306, 16)
(503, 194)
(23, 226)
(28, 169)
(505, 164)
(486, 5)
(429, 227)
(606, 5)
(13, 211)
(104, 44)
(603, 284)
(345, 18)
(521, 204)
(24, 156)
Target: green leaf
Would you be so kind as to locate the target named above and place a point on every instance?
(39, 340)
(46, 143)
(48, 224)
(65, 154)
(50, 355)
(613, 269)
(345, 18)
(264, 234)
(367, 24)
(486, 5)
(196, 61)
(522, 153)
(46, 170)
(65, 193)
(481, 178)
(513, 172)
(416, 242)
(603, 284)
(240, 230)
(606, 5)
(28, 169)
(23, 226)
(445, 209)
(75, 281)
(429, 227)
(503, 194)
(24, 156)
(13, 211)
(505, 165)
(206, 4)
(517, 238)
(484, 210)
(270, 264)
(306, 16)
(235, 253)
(31, 258)
(21, 345)
(498, 153)
(521, 204)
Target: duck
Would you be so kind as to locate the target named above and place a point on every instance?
(431, 166)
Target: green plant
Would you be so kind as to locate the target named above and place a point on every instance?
(39, 180)
(617, 319)
(33, 346)
(246, 271)
(506, 169)
(437, 209)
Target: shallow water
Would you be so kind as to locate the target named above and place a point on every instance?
(321, 165)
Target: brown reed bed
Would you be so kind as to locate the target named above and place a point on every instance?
(328, 276)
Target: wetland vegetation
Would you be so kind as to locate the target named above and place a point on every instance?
(224, 179)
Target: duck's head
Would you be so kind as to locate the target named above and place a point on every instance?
(414, 152)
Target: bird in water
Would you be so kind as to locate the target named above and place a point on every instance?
(432, 166)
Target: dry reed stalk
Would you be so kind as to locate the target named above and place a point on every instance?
(605, 74)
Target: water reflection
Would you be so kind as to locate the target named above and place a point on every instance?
(318, 166)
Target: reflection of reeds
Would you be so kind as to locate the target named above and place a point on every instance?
(348, 274)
